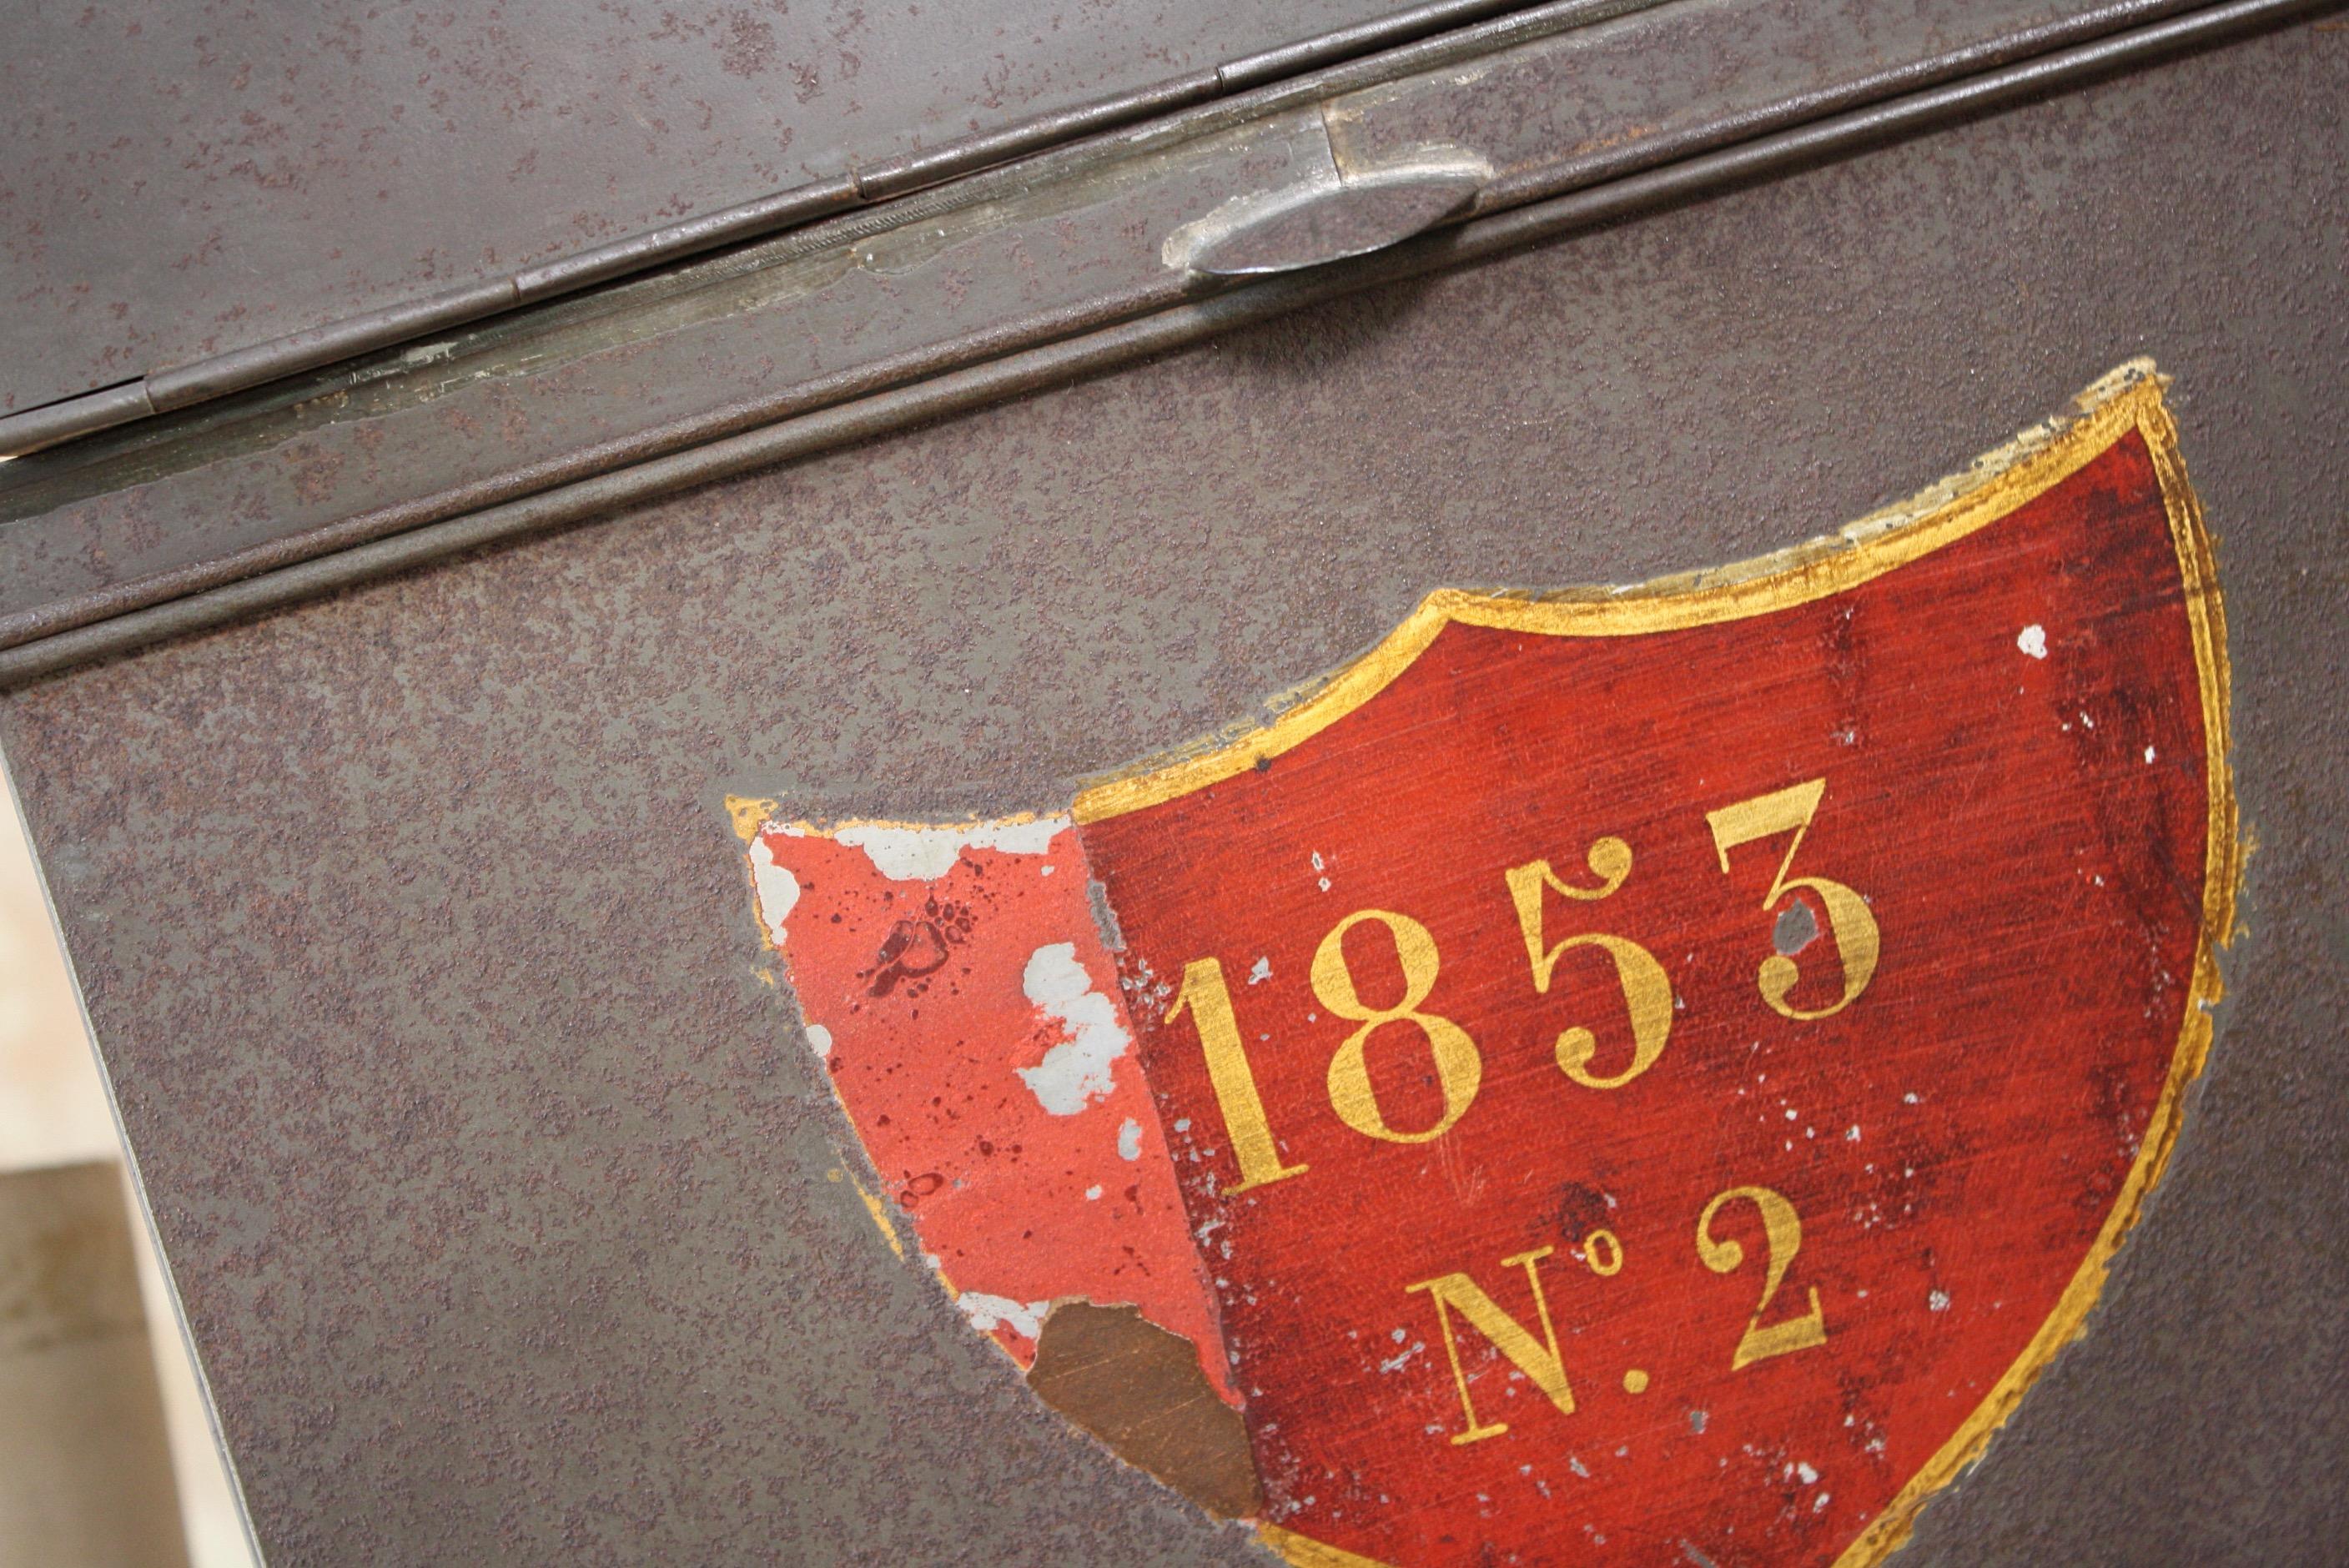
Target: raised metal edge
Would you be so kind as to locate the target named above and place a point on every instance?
(1036, 368)
(728, 224)
(12, 807)
(177, 386)
(915, 170)
(51, 423)
(1290, 59)
(1326, 89)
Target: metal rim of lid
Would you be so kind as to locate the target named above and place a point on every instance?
(1250, 300)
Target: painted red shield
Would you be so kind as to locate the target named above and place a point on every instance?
(1641, 1076)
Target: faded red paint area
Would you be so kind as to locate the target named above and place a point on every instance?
(922, 988)
(2010, 737)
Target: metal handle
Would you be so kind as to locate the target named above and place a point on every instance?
(1329, 216)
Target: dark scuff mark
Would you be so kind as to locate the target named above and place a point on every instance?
(1796, 929)
(1104, 917)
(919, 947)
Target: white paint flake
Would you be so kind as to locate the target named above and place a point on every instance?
(820, 1038)
(2148, 755)
(1808, 1474)
(2033, 640)
(1092, 1194)
(1262, 972)
(1076, 1072)
(922, 852)
(1939, 1301)
(777, 890)
(988, 1313)
(1129, 1139)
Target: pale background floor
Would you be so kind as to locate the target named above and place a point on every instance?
(54, 1110)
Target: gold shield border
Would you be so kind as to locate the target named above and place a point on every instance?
(1994, 486)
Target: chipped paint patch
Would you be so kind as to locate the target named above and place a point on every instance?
(777, 890)
(925, 852)
(956, 990)
(1076, 1072)
(748, 813)
(989, 1312)
(1139, 1390)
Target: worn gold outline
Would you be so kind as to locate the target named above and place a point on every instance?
(1304, 1551)
(2129, 398)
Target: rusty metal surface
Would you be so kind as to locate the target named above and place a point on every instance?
(412, 923)
(188, 180)
(1020, 256)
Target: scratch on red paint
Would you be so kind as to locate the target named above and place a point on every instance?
(954, 982)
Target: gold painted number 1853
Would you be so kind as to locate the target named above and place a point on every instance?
(1646, 989)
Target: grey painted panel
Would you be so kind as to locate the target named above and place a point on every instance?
(418, 948)
(1030, 253)
(184, 180)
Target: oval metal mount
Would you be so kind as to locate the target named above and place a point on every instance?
(1329, 216)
